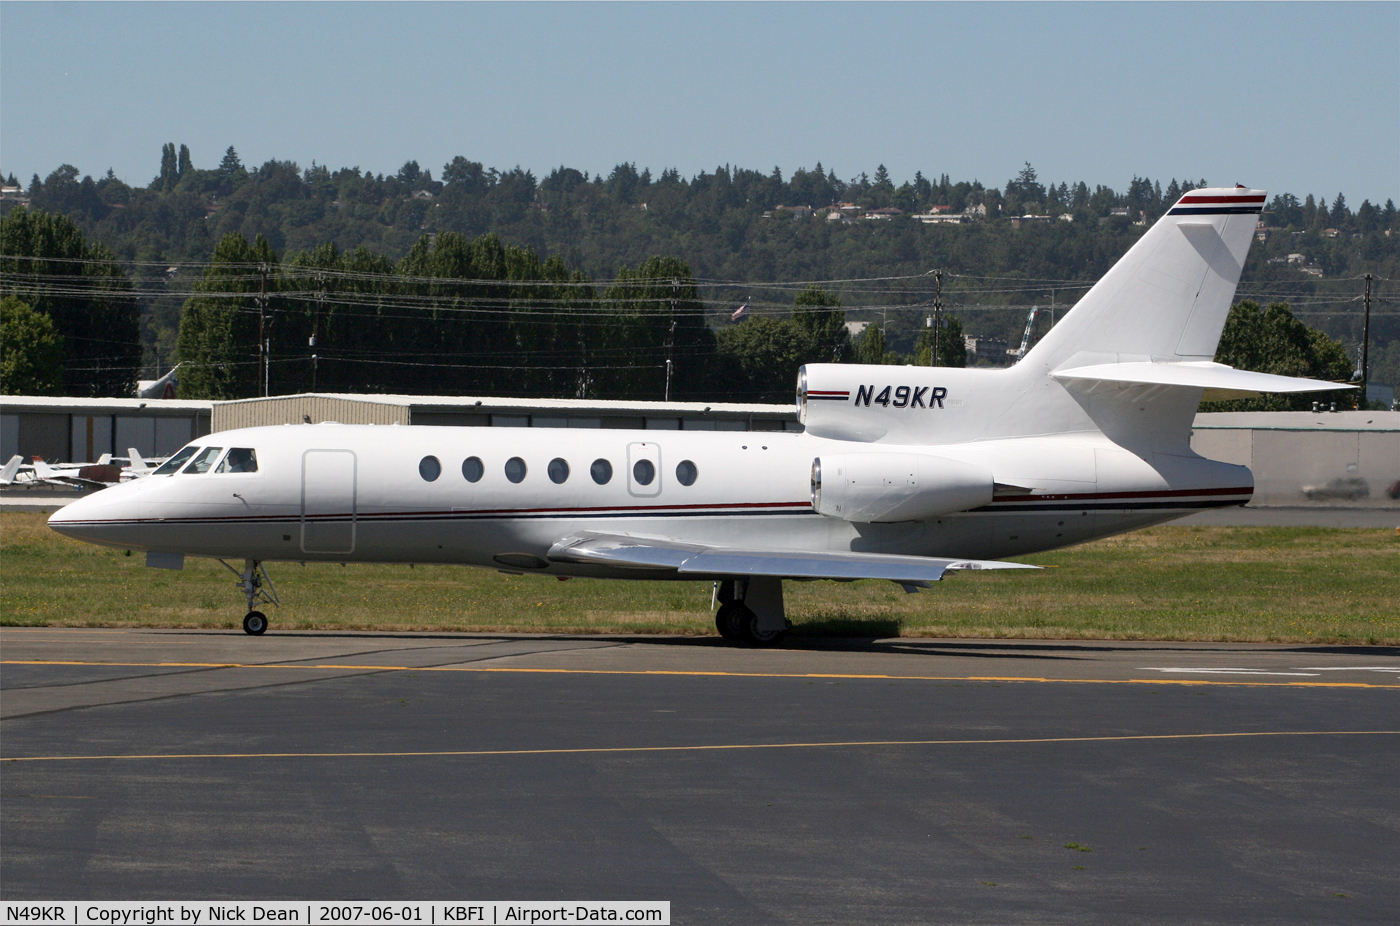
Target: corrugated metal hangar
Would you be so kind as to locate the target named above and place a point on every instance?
(77, 430)
(470, 411)
(63, 429)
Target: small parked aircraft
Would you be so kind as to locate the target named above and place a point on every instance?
(108, 470)
(900, 473)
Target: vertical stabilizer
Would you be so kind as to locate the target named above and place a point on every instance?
(1168, 297)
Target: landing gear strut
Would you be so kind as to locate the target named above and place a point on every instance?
(751, 610)
(251, 581)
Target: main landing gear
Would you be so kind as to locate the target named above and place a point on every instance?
(751, 610)
(250, 582)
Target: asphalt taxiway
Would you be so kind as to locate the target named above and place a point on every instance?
(888, 781)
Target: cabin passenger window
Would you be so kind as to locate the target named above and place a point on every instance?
(686, 473)
(558, 470)
(644, 471)
(515, 469)
(601, 471)
(429, 468)
(202, 462)
(175, 462)
(239, 460)
(472, 469)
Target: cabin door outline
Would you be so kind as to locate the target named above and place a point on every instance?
(328, 501)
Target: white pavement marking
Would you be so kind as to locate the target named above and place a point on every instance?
(1395, 669)
(1218, 671)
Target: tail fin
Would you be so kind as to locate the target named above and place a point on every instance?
(1168, 297)
(7, 474)
(135, 461)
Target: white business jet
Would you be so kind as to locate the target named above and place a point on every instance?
(901, 473)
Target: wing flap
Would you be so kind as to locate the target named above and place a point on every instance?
(1219, 380)
(659, 553)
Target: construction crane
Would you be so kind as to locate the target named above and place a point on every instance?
(1019, 352)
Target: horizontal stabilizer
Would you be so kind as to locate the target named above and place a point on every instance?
(1218, 380)
(699, 560)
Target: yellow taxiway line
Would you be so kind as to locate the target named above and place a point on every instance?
(703, 673)
(614, 750)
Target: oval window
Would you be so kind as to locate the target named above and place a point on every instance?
(644, 472)
(515, 469)
(429, 468)
(686, 473)
(558, 470)
(472, 469)
(601, 471)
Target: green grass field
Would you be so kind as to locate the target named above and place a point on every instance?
(1164, 583)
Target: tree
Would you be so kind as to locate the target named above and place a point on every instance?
(31, 351)
(169, 169)
(952, 346)
(48, 263)
(819, 314)
(871, 347)
(760, 358)
(1271, 340)
(461, 172)
(230, 165)
(218, 338)
(654, 311)
(1026, 187)
(185, 165)
(410, 173)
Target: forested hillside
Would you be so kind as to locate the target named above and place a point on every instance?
(743, 236)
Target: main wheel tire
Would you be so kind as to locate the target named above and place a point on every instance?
(730, 620)
(255, 623)
(755, 637)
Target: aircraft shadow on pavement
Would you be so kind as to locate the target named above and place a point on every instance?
(845, 635)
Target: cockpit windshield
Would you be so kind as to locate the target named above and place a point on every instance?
(174, 463)
(239, 460)
(202, 462)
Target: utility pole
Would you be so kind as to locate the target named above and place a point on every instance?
(316, 323)
(937, 313)
(671, 335)
(264, 360)
(1365, 342)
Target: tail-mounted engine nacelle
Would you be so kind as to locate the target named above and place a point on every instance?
(881, 487)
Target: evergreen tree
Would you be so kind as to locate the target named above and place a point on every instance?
(230, 164)
(185, 165)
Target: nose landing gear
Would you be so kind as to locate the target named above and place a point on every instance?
(250, 582)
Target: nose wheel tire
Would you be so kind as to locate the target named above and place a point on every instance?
(255, 623)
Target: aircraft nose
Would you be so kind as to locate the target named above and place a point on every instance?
(99, 517)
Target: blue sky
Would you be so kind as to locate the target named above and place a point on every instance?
(1295, 97)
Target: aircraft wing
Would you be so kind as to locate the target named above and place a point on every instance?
(685, 558)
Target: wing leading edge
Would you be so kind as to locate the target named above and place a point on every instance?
(700, 561)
